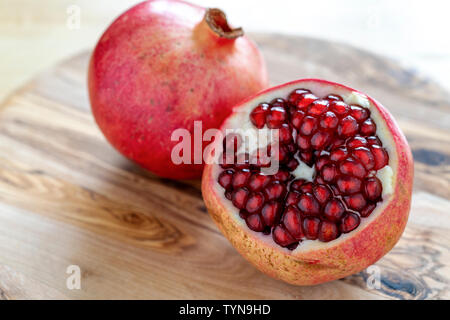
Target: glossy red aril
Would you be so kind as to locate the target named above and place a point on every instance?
(334, 210)
(225, 179)
(348, 127)
(258, 181)
(305, 100)
(311, 227)
(258, 115)
(240, 178)
(254, 222)
(254, 202)
(293, 222)
(358, 113)
(328, 231)
(373, 188)
(349, 222)
(282, 237)
(270, 212)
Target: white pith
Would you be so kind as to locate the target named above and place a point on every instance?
(240, 119)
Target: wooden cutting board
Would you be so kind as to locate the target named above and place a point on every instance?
(67, 198)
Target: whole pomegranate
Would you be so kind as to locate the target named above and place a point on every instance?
(161, 66)
(340, 197)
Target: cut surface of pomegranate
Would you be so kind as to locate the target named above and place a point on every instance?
(349, 189)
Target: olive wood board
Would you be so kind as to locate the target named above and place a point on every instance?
(68, 198)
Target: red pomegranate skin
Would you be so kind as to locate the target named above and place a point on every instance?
(159, 67)
(358, 251)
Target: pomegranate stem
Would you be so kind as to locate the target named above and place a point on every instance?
(217, 21)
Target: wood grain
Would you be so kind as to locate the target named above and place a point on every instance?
(66, 197)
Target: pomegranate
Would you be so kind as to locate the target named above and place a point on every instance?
(161, 66)
(340, 207)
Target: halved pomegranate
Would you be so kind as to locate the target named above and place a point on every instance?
(341, 196)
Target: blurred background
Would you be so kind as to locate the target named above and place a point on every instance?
(36, 34)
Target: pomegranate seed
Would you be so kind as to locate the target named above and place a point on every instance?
(291, 148)
(368, 128)
(337, 142)
(308, 126)
(243, 214)
(225, 179)
(308, 204)
(303, 142)
(258, 181)
(240, 178)
(305, 100)
(254, 202)
(311, 227)
(292, 164)
(271, 212)
(348, 184)
(356, 142)
(355, 201)
(338, 154)
(283, 155)
(278, 103)
(254, 222)
(367, 210)
(328, 120)
(285, 133)
(293, 222)
(380, 156)
(297, 118)
(282, 237)
(318, 179)
(365, 157)
(321, 193)
(275, 190)
(347, 127)
(352, 167)
(258, 115)
(349, 222)
(373, 188)
(373, 140)
(228, 194)
(335, 190)
(320, 140)
(329, 172)
(292, 198)
(296, 184)
(275, 117)
(359, 113)
(321, 161)
(295, 96)
(282, 176)
(339, 108)
(334, 210)
(333, 97)
(239, 197)
(318, 107)
(306, 187)
(328, 231)
(307, 157)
